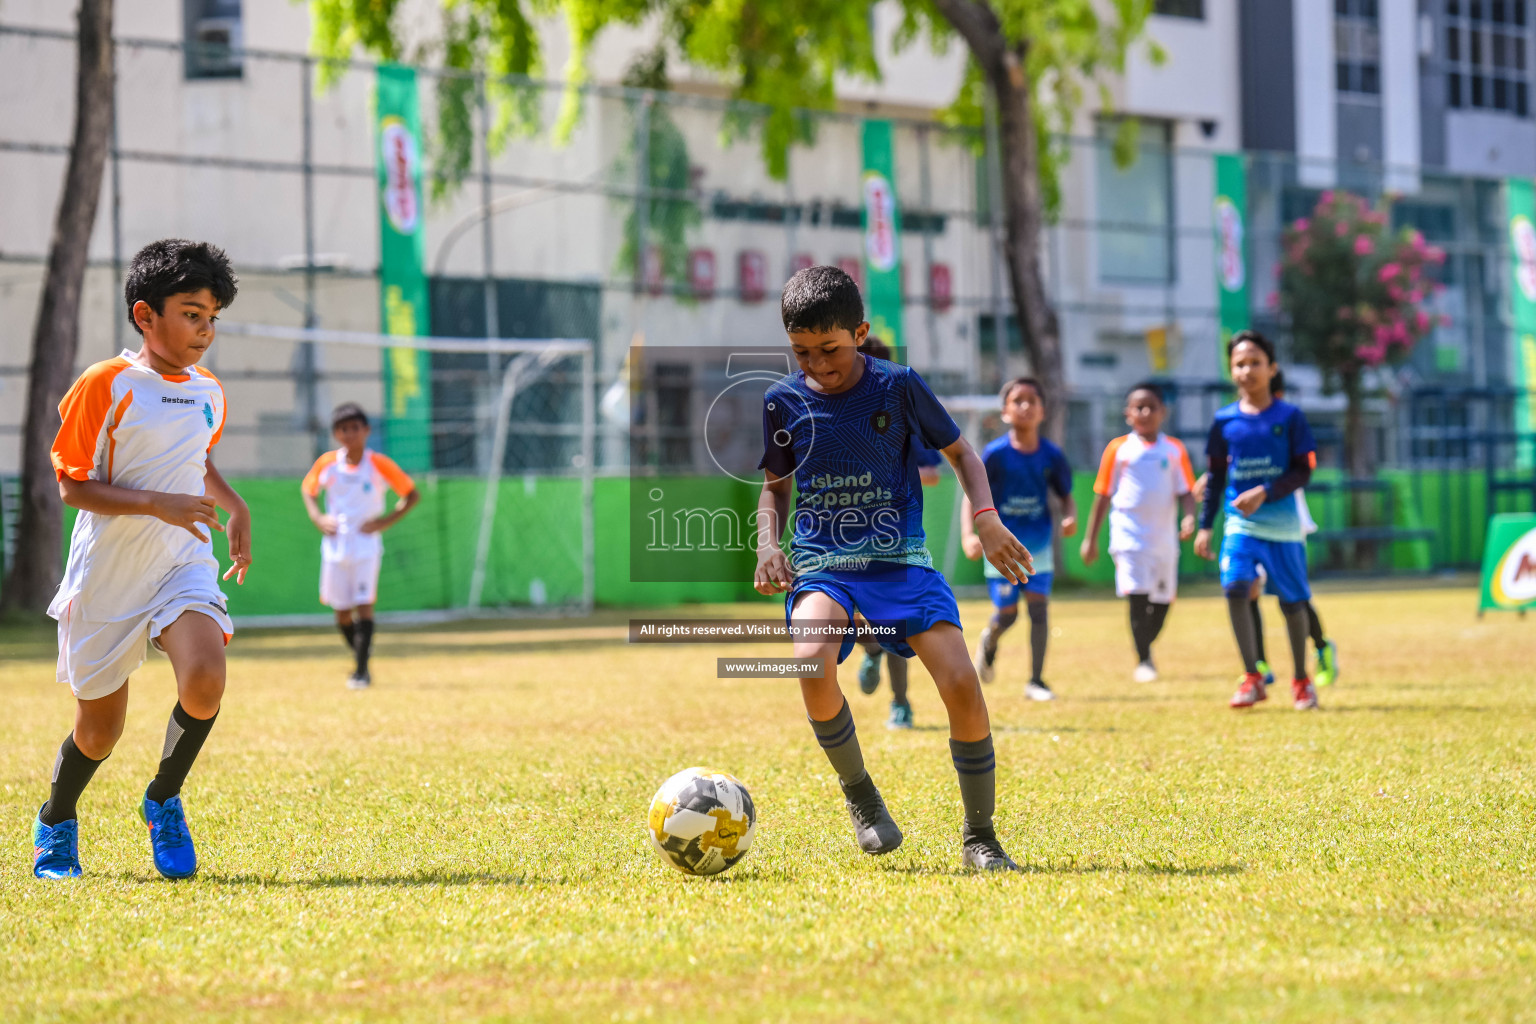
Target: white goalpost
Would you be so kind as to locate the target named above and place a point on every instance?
(502, 410)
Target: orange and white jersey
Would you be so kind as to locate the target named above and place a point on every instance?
(128, 425)
(1143, 482)
(354, 494)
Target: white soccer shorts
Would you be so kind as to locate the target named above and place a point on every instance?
(96, 658)
(1151, 572)
(346, 584)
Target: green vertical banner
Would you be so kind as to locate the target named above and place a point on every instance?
(1521, 203)
(1509, 564)
(1230, 224)
(882, 237)
(402, 279)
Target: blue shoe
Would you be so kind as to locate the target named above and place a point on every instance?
(169, 840)
(901, 716)
(1269, 676)
(56, 849)
(869, 673)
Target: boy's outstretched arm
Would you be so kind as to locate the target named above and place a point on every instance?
(1096, 515)
(238, 529)
(997, 542)
(772, 575)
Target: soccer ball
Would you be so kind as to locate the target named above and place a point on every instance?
(701, 821)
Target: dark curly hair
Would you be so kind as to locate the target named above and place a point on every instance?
(1253, 338)
(173, 265)
(821, 299)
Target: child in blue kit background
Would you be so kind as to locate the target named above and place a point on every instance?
(1023, 470)
(1260, 451)
(844, 432)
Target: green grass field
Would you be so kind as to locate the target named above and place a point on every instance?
(464, 842)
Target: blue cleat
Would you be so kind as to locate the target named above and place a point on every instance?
(901, 715)
(1327, 664)
(169, 840)
(1267, 673)
(56, 849)
(869, 673)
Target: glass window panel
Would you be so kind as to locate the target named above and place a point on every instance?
(1135, 205)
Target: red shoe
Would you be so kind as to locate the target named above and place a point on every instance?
(1249, 692)
(1304, 693)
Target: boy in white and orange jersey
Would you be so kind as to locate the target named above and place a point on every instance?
(134, 456)
(353, 479)
(1144, 481)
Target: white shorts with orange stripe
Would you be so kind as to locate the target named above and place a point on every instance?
(96, 658)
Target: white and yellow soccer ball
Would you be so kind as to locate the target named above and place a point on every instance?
(701, 821)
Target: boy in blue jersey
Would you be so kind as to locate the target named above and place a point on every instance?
(1023, 469)
(928, 462)
(844, 432)
(1260, 452)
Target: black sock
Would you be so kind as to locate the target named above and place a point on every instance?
(1157, 614)
(184, 736)
(348, 634)
(1239, 609)
(72, 772)
(1296, 632)
(1258, 630)
(976, 767)
(364, 645)
(1315, 627)
(1139, 628)
(841, 743)
(898, 669)
(1039, 633)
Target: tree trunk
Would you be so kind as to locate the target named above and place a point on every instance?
(34, 576)
(1023, 206)
(1359, 463)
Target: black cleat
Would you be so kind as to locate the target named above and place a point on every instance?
(873, 825)
(980, 849)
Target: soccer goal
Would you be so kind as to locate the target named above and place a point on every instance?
(498, 436)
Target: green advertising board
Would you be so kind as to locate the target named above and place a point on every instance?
(882, 236)
(1509, 564)
(1230, 224)
(402, 280)
(1521, 204)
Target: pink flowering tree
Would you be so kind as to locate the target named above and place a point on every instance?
(1355, 295)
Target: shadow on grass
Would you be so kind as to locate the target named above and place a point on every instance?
(1389, 709)
(1164, 870)
(420, 879)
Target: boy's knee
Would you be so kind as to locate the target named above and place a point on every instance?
(96, 740)
(201, 688)
(1007, 616)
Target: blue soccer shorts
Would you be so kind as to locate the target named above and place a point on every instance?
(1284, 560)
(1006, 594)
(910, 598)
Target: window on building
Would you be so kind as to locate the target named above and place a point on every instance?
(1135, 206)
(1487, 44)
(1357, 47)
(213, 38)
(1180, 8)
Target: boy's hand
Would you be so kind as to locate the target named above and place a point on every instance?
(189, 511)
(772, 575)
(1249, 501)
(971, 545)
(1089, 550)
(238, 530)
(1186, 527)
(1068, 525)
(326, 524)
(1203, 545)
(1003, 549)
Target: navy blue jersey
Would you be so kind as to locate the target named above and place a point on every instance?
(928, 457)
(1020, 482)
(854, 458)
(1256, 448)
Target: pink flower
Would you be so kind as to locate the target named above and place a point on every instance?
(1302, 225)
(1421, 319)
(1364, 246)
(1435, 255)
(1382, 334)
(1341, 228)
(1395, 293)
(1273, 300)
(1345, 313)
(1327, 197)
(1388, 272)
